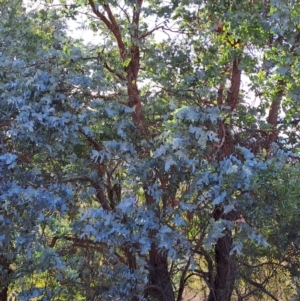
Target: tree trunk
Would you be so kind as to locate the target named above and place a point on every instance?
(4, 285)
(4, 294)
(225, 263)
(160, 281)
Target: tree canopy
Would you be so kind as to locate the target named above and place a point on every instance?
(157, 158)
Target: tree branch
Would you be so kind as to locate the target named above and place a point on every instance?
(261, 287)
(183, 280)
(111, 70)
(92, 141)
(112, 25)
(116, 31)
(233, 93)
(274, 111)
(145, 35)
(136, 18)
(79, 242)
(220, 94)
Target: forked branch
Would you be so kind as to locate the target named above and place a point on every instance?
(112, 25)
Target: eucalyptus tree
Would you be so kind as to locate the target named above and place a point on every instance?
(29, 50)
(136, 163)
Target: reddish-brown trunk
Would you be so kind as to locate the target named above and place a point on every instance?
(134, 98)
(133, 92)
(225, 263)
(273, 114)
(233, 92)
